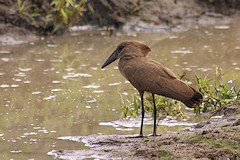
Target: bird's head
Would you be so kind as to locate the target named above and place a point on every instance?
(128, 49)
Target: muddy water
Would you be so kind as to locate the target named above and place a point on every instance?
(54, 86)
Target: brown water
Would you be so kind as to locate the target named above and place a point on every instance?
(54, 87)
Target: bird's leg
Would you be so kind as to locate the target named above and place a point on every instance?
(143, 111)
(155, 116)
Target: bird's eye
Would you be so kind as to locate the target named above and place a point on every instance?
(120, 48)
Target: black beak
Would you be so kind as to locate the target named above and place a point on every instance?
(112, 58)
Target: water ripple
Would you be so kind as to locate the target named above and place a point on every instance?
(5, 59)
(4, 52)
(4, 86)
(136, 123)
(91, 86)
(182, 51)
(25, 69)
(114, 84)
(48, 98)
(75, 75)
(98, 91)
(56, 90)
(20, 74)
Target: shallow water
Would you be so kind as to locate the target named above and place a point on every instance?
(55, 86)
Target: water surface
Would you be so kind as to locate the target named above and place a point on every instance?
(55, 87)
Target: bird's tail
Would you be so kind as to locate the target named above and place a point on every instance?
(195, 100)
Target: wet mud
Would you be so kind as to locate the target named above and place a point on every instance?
(135, 14)
(215, 138)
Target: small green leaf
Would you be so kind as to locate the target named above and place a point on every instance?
(65, 17)
(91, 9)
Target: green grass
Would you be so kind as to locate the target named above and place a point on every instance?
(164, 155)
(66, 11)
(216, 95)
(61, 13)
(216, 142)
(164, 106)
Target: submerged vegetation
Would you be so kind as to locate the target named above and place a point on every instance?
(216, 95)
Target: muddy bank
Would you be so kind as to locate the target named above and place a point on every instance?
(157, 12)
(33, 18)
(216, 138)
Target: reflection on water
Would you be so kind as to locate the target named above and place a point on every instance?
(55, 86)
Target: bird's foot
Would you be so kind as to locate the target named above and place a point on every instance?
(154, 135)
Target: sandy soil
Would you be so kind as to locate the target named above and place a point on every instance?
(215, 138)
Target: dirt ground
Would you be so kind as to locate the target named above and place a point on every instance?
(215, 138)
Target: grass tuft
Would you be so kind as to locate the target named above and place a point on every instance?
(164, 155)
(216, 96)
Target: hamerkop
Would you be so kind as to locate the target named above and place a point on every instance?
(148, 75)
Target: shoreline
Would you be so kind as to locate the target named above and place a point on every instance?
(215, 138)
(137, 15)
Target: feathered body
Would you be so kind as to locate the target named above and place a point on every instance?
(148, 75)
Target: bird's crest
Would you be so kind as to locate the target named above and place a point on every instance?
(133, 48)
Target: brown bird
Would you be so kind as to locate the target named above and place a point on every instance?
(148, 75)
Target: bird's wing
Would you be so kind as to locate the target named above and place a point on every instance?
(161, 69)
(148, 75)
